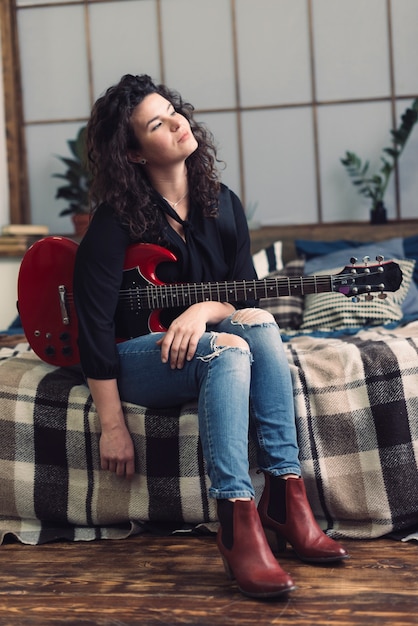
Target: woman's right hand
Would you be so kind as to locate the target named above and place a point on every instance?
(117, 451)
(116, 445)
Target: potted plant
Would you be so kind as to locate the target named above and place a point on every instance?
(374, 186)
(76, 189)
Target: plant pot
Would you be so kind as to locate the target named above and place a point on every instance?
(378, 214)
(81, 222)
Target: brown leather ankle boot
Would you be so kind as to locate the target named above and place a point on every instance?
(286, 515)
(246, 554)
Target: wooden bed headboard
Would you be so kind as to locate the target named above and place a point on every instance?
(353, 231)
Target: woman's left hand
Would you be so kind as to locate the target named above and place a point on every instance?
(180, 341)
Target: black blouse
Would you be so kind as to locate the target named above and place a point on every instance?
(208, 254)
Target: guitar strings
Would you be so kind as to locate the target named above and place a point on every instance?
(271, 287)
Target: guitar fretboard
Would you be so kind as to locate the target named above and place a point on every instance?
(185, 294)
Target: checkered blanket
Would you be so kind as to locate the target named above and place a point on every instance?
(356, 401)
(51, 484)
(356, 404)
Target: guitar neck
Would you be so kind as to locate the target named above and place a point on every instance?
(185, 294)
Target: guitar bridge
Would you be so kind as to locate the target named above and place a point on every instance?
(64, 313)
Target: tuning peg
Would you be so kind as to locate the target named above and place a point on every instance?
(380, 258)
(382, 295)
(366, 260)
(368, 295)
(353, 260)
(355, 299)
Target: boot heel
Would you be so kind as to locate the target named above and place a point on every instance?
(275, 540)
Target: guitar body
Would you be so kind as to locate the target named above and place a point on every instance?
(47, 265)
(46, 304)
(131, 318)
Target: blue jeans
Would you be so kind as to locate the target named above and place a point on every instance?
(227, 382)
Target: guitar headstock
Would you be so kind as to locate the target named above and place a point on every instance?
(355, 280)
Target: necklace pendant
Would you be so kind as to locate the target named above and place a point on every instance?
(175, 204)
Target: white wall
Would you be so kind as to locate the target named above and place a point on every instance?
(304, 81)
(9, 269)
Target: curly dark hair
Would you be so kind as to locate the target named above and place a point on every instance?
(124, 185)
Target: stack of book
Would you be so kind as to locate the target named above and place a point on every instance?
(15, 239)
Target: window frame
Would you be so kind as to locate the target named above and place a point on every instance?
(19, 209)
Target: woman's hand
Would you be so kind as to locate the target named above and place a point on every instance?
(180, 341)
(116, 445)
(117, 451)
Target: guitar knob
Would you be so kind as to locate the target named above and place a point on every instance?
(50, 350)
(67, 351)
(64, 336)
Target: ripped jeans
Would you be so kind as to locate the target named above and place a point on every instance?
(227, 382)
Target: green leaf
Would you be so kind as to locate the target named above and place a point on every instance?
(387, 168)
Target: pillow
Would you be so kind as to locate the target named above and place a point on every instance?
(287, 310)
(334, 311)
(390, 249)
(309, 249)
(268, 260)
(410, 251)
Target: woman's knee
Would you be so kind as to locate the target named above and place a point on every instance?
(252, 317)
(228, 340)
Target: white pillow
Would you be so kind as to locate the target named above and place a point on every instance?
(268, 260)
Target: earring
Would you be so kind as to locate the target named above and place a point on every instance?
(142, 161)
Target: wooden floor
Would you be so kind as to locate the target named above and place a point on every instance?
(154, 581)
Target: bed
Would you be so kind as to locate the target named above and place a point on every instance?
(354, 374)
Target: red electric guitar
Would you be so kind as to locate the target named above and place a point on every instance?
(46, 304)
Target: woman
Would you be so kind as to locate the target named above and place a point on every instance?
(155, 181)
